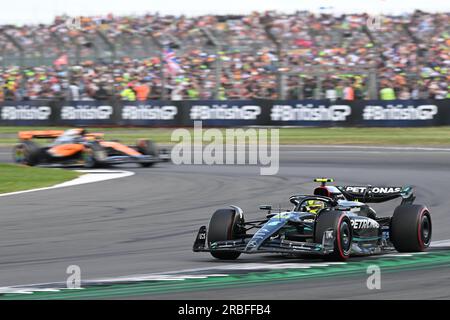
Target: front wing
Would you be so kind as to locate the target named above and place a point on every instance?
(118, 159)
(268, 246)
(111, 160)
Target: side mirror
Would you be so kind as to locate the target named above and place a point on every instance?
(265, 207)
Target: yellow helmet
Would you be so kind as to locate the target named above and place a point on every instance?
(314, 206)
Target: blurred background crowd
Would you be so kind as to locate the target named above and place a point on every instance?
(266, 55)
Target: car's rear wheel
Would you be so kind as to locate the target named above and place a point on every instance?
(342, 230)
(27, 153)
(224, 225)
(410, 229)
(147, 147)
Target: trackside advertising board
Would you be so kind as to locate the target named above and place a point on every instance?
(27, 113)
(156, 113)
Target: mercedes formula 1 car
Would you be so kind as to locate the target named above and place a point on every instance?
(335, 222)
(78, 147)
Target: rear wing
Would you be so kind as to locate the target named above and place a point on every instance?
(53, 134)
(376, 194)
(40, 134)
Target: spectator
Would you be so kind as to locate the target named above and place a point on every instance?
(404, 94)
(412, 51)
(8, 93)
(387, 92)
(142, 91)
(348, 92)
(128, 93)
(101, 93)
(74, 92)
(330, 91)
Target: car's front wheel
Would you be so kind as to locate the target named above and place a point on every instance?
(340, 224)
(147, 147)
(93, 156)
(224, 225)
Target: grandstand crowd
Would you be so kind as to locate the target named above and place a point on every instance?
(321, 55)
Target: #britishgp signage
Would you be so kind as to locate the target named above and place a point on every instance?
(309, 113)
(150, 113)
(228, 113)
(86, 113)
(231, 113)
(404, 113)
(26, 113)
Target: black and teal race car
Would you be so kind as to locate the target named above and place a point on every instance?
(335, 222)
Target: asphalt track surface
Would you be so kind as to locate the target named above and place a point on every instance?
(147, 223)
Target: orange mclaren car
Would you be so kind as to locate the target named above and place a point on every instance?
(80, 148)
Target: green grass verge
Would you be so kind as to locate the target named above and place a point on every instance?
(17, 178)
(431, 136)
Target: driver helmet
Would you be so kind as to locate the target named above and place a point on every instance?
(74, 132)
(314, 206)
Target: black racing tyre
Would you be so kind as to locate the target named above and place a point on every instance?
(224, 226)
(93, 155)
(147, 147)
(27, 153)
(147, 164)
(340, 224)
(410, 229)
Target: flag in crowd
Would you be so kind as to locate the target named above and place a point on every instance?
(62, 60)
(170, 60)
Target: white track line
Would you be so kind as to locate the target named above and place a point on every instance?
(412, 148)
(89, 176)
(440, 243)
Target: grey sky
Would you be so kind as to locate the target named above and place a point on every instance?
(33, 11)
